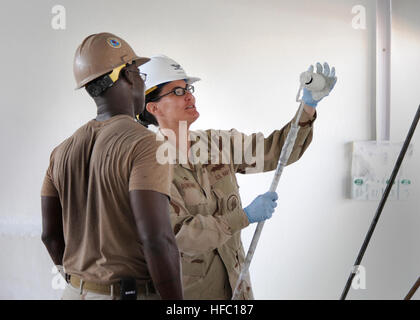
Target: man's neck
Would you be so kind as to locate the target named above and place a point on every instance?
(103, 116)
(111, 107)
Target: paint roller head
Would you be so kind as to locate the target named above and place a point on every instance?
(312, 81)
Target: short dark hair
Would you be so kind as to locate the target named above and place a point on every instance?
(146, 118)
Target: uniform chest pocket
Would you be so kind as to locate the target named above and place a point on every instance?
(222, 177)
(191, 193)
(193, 266)
(225, 188)
(192, 196)
(194, 199)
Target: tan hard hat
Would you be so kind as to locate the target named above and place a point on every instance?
(99, 54)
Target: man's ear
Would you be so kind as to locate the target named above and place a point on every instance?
(126, 76)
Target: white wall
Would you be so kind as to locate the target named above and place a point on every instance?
(249, 54)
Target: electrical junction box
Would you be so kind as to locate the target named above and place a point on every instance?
(372, 165)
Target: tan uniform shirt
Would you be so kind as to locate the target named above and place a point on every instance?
(207, 215)
(92, 173)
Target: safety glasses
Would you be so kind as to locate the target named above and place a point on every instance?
(178, 91)
(143, 76)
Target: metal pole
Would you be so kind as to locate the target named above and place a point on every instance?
(284, 157)
(382, 203)
(413, 290)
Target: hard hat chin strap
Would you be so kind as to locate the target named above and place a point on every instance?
(116, 72)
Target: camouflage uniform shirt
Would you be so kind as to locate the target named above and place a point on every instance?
(207, 215)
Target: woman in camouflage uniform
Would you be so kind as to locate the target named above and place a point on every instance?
(206, 210)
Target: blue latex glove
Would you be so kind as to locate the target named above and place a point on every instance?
(262, 207)
(311, 98)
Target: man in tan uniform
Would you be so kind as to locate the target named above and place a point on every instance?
(206, 211)
(104, 196)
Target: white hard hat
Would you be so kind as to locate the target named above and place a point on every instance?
(161, 69)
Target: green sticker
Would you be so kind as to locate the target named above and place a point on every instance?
(359, 182)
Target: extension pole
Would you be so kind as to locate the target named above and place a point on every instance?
(413, 290)
(284, 157)
(382, 203)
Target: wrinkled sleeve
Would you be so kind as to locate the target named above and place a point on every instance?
(196, 234)
(48, 188)
(260, 154)
(146, 172)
